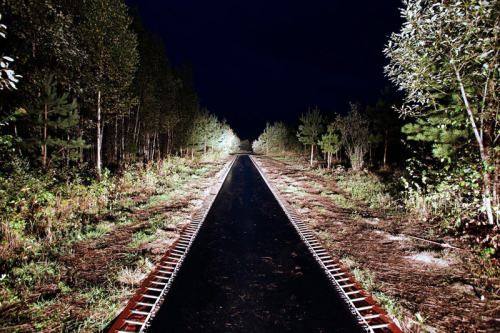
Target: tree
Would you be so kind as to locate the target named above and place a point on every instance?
(330, 143)
(211, 135)
(112, 50)
(311, 128)
(446, 59)
(245, 146)
(385, 123)
(8, 78)
(59, 117)
(258, 146)
(278, 136)
(355, 132)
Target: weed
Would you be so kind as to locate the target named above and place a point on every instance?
(390, 304)
(366, 278)
(99, 231)
(342, 201)
(35, 274)
(44, 217)
(367, 188)
(102, 305)
(420, 322)
(131, 276)
(146, 235)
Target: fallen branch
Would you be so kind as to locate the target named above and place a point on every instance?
(445, 245)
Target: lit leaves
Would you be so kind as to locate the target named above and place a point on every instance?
(8, 78)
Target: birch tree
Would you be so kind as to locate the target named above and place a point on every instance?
(446, 59)
(112, 50)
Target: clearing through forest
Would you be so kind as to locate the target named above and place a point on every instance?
(247, 269)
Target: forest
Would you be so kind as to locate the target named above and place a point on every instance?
(98, 131)
(89, 105)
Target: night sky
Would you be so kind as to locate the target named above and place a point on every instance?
(269, 60)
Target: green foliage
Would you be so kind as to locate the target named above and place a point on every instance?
(8, 78)
(385, 127)
(330, 143)
(57, 119)
(210, 134)
(448, 190)
(311, 127)
(277, 138)
(45, 207)
(368, 188)
(446, 60)
(8, 142)
(355, 133)
(117, 73)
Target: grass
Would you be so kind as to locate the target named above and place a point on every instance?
(342, 201)
(367, 188)
(147, 235)
(390, 304)
(50, 219)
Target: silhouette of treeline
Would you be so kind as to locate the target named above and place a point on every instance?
(96, 87)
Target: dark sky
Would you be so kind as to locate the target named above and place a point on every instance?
(268, 60)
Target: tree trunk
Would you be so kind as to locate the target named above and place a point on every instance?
(495, 189)
(99, 134)
(385, 153)
(312, 154)
(122, 158)
(136, 127)
(485, 155)
(116, 143)
(44, 147)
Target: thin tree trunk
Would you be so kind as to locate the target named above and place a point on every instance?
(44, 148)
(495, 189)
(136, 127)
(67, 153)
(385, 153)
(99, 134)
(122, 152)
(116, 142)
(485, 156)
(312, 153)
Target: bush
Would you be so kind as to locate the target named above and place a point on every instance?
(368, 188)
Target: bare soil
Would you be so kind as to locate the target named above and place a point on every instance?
(405, 257)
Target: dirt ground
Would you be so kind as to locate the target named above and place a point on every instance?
(421, 277)
(75, 298)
